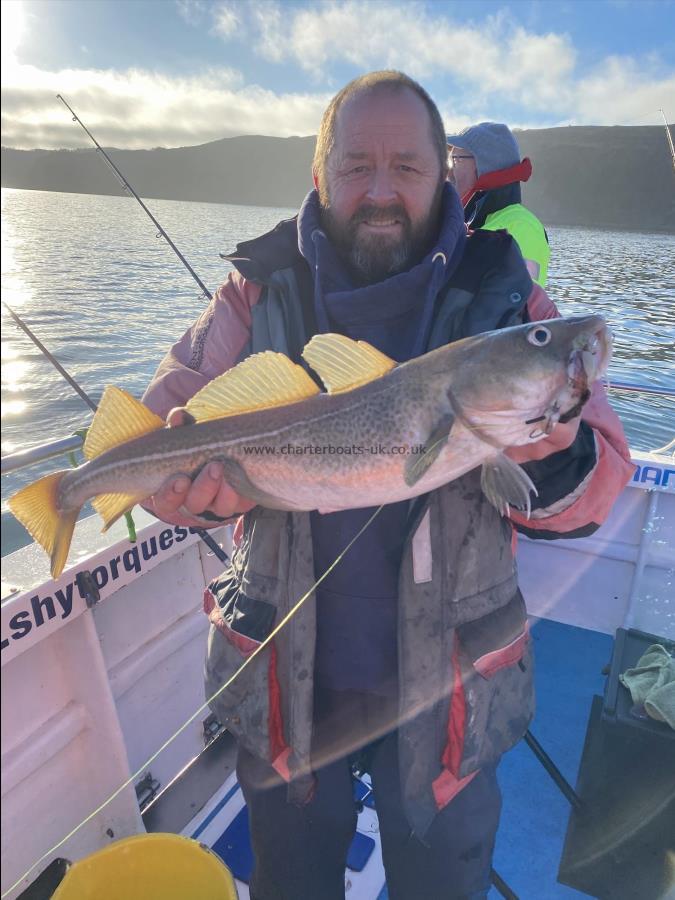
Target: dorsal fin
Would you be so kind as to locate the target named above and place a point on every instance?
(119, 418)
(260, 382)
(344, 364)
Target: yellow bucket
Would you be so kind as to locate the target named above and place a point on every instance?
(149, 867)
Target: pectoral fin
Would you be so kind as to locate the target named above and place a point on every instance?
(417, 464)
(506, 484)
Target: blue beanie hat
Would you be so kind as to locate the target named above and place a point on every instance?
(492, 144)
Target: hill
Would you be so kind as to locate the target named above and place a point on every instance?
(611, 177)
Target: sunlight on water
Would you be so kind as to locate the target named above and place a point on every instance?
(14, 374)
(107, 299)
(12, 408)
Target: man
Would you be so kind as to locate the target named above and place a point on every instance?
(490, 148)
(379, 664)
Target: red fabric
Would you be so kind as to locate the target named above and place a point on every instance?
(280, 764)
(446, 786)
(500, 178)
(278, 749)
(452, 755)
(492, 662)
(245, 645)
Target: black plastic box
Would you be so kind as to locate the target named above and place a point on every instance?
(619, 847)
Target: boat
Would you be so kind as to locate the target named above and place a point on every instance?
(105, 733)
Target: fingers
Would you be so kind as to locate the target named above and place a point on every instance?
(179, 416)
(181, 501)
(204, 490)
(171, 496)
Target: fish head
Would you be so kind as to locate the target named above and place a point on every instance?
(517, 383)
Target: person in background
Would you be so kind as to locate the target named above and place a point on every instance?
(412, 656)
(490, 149)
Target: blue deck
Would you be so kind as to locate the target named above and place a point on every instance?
(569, 661)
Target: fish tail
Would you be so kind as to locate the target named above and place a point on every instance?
(35, 506)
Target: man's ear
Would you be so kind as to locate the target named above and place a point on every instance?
(315, 179)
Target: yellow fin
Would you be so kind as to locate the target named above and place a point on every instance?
(262, 381)
(119, 418)
(35, 506)
(111, 506)
(344, 364)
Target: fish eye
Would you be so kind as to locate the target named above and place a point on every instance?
(539, 336)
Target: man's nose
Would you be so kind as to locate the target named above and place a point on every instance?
(381, 188)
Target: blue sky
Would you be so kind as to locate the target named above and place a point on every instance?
(145, 73)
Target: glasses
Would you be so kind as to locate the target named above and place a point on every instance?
(453, 158)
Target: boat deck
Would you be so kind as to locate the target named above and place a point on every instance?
(569, 664)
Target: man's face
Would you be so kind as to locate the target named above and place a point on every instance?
(383, 185)
(463, 173)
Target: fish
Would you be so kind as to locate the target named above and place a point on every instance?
(379, 432)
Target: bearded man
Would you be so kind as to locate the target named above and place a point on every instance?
(412, 656)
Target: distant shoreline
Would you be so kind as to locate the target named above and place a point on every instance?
(582, 176)
(294, 209)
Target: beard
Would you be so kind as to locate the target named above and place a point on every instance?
(371, 257)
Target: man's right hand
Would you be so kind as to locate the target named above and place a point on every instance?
(180, 500)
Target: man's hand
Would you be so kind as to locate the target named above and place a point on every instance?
(560, 438)
(180, 500)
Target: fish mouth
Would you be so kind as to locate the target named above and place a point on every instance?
(587, 361)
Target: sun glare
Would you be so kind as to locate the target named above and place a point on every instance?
(12, 32)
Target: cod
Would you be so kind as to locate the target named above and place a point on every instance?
(379, 432)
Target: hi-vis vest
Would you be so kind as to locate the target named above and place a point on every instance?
(465, 669)
(528, 232)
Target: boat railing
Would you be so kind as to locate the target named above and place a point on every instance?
(22, 459)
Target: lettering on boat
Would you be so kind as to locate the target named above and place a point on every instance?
(42, 608)
(650, 474)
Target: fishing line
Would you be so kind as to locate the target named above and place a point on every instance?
(289, 615)
(129, 781)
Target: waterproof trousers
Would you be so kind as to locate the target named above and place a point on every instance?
(300, 851)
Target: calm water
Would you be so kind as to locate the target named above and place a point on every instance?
(107, 298)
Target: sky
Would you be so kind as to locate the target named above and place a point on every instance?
(169, 73)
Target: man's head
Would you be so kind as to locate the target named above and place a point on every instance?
(379, 166)
(486, 147)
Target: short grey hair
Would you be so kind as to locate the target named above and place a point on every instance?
(389, 80)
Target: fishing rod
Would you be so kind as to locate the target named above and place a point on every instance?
(204, 535)
(123, 181)
(670, 137)
(52, 359)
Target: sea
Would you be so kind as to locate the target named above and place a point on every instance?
(103, 291)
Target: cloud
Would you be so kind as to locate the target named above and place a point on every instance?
(497, 56)
(485, 64)
(621, 90)
(491, 68)
(137, 108)
(226, 20)
(194, 12)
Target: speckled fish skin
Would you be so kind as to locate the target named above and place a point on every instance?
(489, 388)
